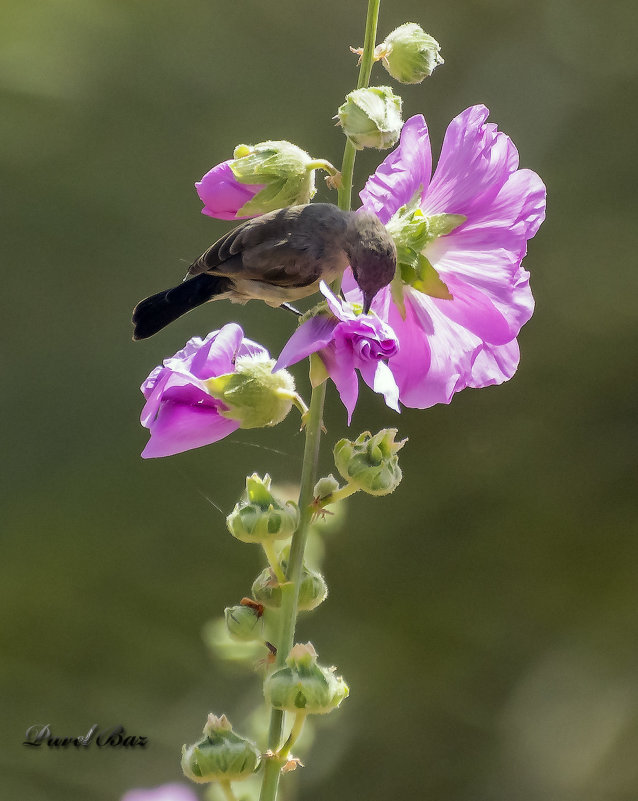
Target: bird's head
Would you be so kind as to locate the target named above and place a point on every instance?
(372, 254)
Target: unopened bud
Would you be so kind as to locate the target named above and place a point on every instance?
(325, 487)
(284, 170)
(370, 462)
(221, 755)
(260, 516)
(242, 621)
(409, 54)
(371, 117)
(303, 685)
(254, 395)
(312, 588)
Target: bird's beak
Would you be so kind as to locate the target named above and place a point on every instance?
(367, 302)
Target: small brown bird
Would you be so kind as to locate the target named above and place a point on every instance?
(278, 257)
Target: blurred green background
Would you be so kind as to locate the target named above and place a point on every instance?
(486, 614)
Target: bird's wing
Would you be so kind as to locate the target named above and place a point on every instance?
(288, 247)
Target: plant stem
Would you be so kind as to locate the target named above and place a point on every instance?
(228, 791)
(290, 590)
(271, 556)
(295, 732)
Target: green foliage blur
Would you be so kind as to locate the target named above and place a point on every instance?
(486, 614)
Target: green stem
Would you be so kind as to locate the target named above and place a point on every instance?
(271, 556)
(341, 494)
(295, 733)
(350, 152)
(290, 590)
(228, 791)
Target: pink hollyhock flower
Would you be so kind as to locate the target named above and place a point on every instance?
(223, 195)
(166, 792)
(180, 412)
(346, 341)
(460, 296)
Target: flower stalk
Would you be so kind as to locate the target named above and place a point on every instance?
(290, 590)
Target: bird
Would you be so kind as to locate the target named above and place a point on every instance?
(279, 257)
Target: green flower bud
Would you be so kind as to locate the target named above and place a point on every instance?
(325, 487)
(371, 117)
(259, 516)
(221, 756)
(409, 54)
(312, 588)
(254, 395)
(303, 685)
(370, 462)
(242, 621)
(285, 169)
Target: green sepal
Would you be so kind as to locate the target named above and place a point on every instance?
(254, 395)
(283, 168)
(409, 54)
(371, 117)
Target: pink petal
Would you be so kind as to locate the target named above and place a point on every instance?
(179, 427)
(340, 367)
(448, 348)
(475, 162)
(310, 337)
(379, 378)
(166, 792)
(222, 194)
(473, 310)
(400, 175)
(494, 365)
(217, 355)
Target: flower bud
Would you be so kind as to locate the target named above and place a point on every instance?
(259, 516)
(254, 395)
(312, 588)
(371, 117)
(303, 685)
(370, 462)
(409, 54)
(325, 487)
(283, 169)
(221, 755)
(242, 621)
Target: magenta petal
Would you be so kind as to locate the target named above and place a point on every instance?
(494, 365)
(340, 367)
(475, 162)
(179, 427)
(217, 355)
(474, 311)
(411, 364)
(223, 195)
(400, 175)
(380, 379)
(166, 792)
(310, 337)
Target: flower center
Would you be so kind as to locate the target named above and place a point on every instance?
(412, 232)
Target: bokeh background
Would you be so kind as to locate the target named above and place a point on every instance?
(486, 614)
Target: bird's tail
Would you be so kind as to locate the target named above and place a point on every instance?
(154, 313)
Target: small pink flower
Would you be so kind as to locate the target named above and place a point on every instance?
(347, 341)
(468, 340)
(179, 411)
(223, 195)
(166, 792)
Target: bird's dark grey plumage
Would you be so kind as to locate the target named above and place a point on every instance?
(278, 257)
